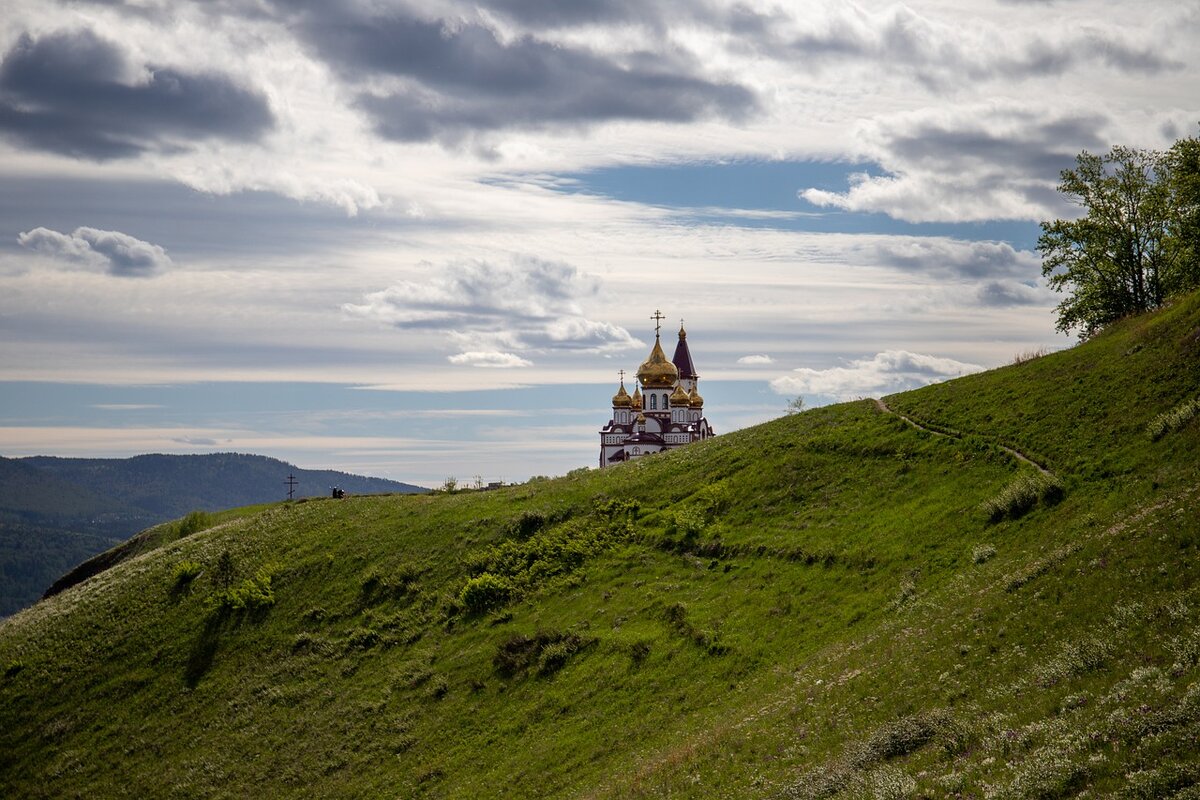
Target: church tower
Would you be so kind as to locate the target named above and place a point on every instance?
(665, 411)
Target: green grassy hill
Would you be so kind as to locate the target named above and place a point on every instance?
(833, 604)
(57, 513)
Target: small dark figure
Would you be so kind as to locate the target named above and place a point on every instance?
(338, 493)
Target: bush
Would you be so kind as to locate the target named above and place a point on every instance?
(1173, 420)
(708, 640)
(254, 594)
(526, 525)
(983, 553)
(1023, 494)
(194, 522)
(185, 572)
(898, 738)
(545, 651)
(485, 592)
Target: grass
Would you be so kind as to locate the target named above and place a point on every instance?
(815, 607)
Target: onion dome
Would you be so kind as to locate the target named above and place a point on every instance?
(656, 372)
(637, 397)
(680, 397)
(696, 401)
(622, 399)
(641, 419)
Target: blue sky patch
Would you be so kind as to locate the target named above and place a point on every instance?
(710, 193)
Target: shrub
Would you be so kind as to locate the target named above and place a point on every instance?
(526, 525)
(194, 522)
(224, 570)
(363, 639)
(898, 738)
(1023, 494)
(983, 553)
(708, 640)
(687, 523)
(1073, 658)
(185, 572)
(546, 652)
(253, 594)
(1173, 420)
(484, 592)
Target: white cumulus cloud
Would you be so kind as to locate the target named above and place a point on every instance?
(489, 358)
(884, 373)
(756, 359)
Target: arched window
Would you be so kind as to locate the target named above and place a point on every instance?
(653, 401)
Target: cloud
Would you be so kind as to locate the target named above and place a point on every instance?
(490, 310)
(198, 441)
(884, 373)
(998, 294)
(966, 164)
(116, 253)
(942, 55)
(752, 360)
(448, 80)
(77, 94)
(955, 258)
(490, 358)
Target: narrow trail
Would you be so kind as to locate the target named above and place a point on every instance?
(1017, 454)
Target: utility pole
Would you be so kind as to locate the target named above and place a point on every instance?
(291, 484)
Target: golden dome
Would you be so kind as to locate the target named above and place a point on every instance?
(641, 419)
(696, 401)
(637, 397)
(622, 399)
(656, 372)
(680, 397)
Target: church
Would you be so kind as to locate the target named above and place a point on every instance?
(665, 410)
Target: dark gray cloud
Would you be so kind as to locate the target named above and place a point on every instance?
(460, 78)
(998, 294)
(1042, 148)
(116, 253)
(77, 94)
(555, 13)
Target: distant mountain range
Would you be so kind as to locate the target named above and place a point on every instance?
(57, 512)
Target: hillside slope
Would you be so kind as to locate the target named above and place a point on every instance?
(56, 513)
(833, 604)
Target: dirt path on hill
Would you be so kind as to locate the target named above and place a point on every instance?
(1017, 454)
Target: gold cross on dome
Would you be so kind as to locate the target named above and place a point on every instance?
(622, 374)
(658, 318)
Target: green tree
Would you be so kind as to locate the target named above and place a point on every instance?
(1110, 260)
(1135, 244)
(1183, 169)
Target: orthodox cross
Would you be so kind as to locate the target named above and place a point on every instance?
(622, 373)
(291, 484)
(658, 318)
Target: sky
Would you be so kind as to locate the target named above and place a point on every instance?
(419, 240)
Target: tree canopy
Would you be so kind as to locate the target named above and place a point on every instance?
(1138, 240)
